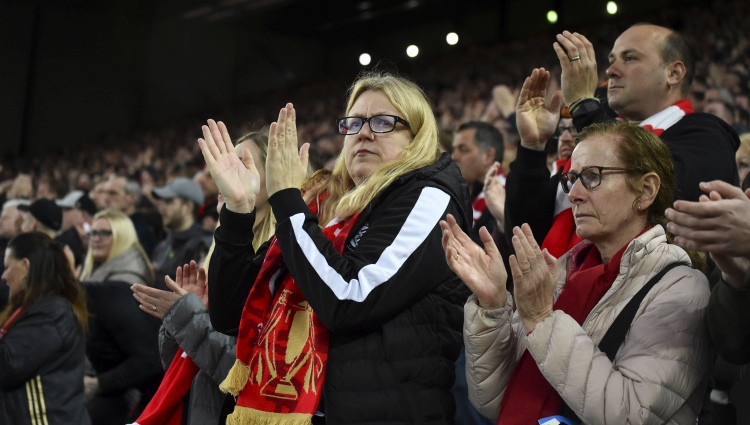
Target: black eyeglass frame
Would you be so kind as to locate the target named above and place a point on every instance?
(565, 177)
(367, 120)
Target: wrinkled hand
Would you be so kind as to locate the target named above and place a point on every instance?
(579, 78)
(537, 119)
(534, 272)
(720, 224)
(494, 194)
(482, 270)
(286, 164)
(238, 181)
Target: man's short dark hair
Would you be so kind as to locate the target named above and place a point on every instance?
(676, 49)
(486, 136)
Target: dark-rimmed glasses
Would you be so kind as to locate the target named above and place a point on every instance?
(100, 234)
(590, 176)
(378, 124)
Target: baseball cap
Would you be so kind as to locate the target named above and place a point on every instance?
(69, 201)
(182, 187)
(46, 212)
(84, 203)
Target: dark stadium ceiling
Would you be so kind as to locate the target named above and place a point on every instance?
(321, 20)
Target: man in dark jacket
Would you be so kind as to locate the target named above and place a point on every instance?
(178, 202)
(650, 71)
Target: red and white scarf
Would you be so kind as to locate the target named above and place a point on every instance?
(282, 347)
(562, 234)
(479, 205)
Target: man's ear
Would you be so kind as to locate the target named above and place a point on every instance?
(676, 73)
(489, 156)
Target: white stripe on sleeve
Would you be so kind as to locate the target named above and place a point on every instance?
(427, 211)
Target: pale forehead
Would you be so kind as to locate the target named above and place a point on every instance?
(101, 223)
(373, 102)
(595, 150)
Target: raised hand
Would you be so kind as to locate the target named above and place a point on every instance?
(537, 119)
(494, 194)
(482, 270)
(190, 279)
(534, 272)
(578, 62)
(286, 163)
(238, 181)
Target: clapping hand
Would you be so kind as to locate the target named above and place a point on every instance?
(238, 181)
(534, 272)
(579, 76)
(482, 270)
(717, 223)
(494, 195)
(188, 279)
(286, 163)
(535, 117)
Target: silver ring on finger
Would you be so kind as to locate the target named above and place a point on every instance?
(153, 307)
(575, 58)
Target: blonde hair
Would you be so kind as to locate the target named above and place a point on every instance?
(344, 198)
(123, 238)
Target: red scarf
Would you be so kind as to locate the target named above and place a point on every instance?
(528, 396)
(165, 407)
(10, 321)
(562, 234)
(282, 348)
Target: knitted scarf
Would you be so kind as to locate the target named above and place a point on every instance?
(562, 234)
(166, 406)
(528, 396)
(282, 347)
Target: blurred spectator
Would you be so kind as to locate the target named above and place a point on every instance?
(123, 194)
(178, 202)
(42, 215)
(122, 344)
(42, 336)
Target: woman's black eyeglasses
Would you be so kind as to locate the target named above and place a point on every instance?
(378, 124)
(590, 176)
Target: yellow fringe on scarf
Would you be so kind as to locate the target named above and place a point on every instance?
(236, 378)
(248, 416)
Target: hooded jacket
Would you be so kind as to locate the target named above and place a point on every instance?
(391, 303)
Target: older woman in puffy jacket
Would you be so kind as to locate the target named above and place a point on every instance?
(547, 356)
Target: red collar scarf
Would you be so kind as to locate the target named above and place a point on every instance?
(282, 347)
(562, 234)
(529, 396)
